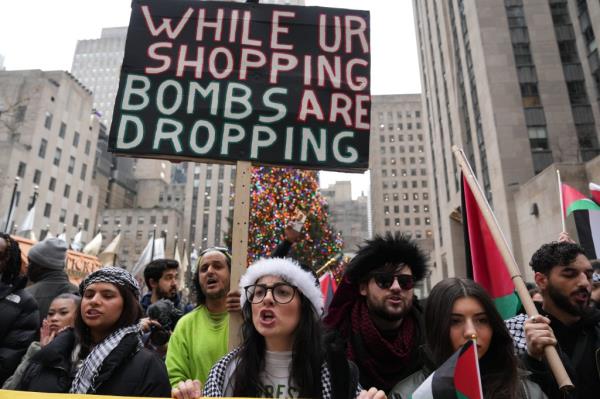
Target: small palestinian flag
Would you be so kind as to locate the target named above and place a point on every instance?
(458, 377)
(328, 288)
(587, 217)
(485, 264)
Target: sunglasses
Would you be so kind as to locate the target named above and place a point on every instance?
(223, 250)
(386, 280)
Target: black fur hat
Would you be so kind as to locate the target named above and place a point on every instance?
(387, 250)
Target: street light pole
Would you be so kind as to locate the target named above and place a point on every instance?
(11, 206)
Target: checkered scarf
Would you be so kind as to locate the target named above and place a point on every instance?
(215, 383)
(87, 373)
(114, 275)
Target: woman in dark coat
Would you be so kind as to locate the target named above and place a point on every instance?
(103, 354)
(19, 317)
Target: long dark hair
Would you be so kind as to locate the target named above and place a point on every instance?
(499, 365)
(12, 269)
(307, 355)
(131, 314)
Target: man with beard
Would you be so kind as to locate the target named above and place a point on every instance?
(375, 310)
(161, 277)
(563, 275)
(201, 336)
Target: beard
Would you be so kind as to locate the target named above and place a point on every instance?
(380, 310)
(166, 294)
(563, 302)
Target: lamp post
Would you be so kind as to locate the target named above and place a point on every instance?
(11, 206)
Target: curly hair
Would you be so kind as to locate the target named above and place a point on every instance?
(554, 254)
(389, 250)
(12, 256)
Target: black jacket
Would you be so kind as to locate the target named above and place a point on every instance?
(19, 325)
(52, 284)
(579, 350)
(125, 371)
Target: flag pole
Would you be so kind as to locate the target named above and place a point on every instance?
(562, 204)
(558, 369)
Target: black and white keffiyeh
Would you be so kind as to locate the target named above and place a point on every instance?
(114, 275)
(215, 383)
(515, 326)
(84, 379)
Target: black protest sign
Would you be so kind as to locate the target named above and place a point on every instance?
(224, 81)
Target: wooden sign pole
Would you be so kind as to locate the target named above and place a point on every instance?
(239, 242)
(558, 369)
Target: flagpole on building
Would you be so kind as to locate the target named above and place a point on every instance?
(558, 369)
(153, 238)
(174, 245)
(11, 206)
(562, 205)
(115, 254)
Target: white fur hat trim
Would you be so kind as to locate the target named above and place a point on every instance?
(290, 271)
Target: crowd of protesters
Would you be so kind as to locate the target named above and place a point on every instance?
(375, 340)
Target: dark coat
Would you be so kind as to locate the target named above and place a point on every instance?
(52, 284)
(19, 326)
(126, 371)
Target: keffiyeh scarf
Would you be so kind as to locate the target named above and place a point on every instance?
(84, 379)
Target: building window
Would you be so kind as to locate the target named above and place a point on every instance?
(75, 220)
(37, 176)
(407, 221)
(76, 139)
(71, 166)
(67, 191)
(428, 221)
(83, 171)
(140, 220)
(153, 219)
(86, 224)
(52, 184)
(79, 196)
(538, 138)
(21, 169)
(63, 130)
(57, 155)
(89, 201)
(387, 222)
(129, 220)
(42, 150)
(63, 216)
(48, 120)
(165, 219)
(47, 210)
(88, 146)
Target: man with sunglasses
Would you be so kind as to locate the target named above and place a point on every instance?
(201, 336)
(376, 312)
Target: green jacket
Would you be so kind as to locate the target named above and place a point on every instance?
(199, 340)
(13, 381)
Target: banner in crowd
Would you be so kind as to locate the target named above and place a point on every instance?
(586, 213)
(227, 81)
(483, 257)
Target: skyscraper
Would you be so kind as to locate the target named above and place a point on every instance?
(516, 84)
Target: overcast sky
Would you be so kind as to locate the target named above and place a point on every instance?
(42, 34)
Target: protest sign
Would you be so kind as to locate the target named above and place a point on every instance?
(226, 81)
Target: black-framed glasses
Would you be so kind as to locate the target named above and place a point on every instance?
(282, 292)
(385, 280)
(223, 250)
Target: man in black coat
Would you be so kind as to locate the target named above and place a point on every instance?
(19, 319)
(47, 273)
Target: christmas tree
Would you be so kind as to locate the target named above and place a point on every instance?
(277, 194)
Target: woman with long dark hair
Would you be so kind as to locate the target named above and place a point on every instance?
(103, 354)
(282, 354)
(456, 310)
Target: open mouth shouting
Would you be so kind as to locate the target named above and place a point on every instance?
(266, 318)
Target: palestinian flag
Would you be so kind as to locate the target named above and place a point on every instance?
(458, 377)
(587, 217)
(328, 288)
(484, 261)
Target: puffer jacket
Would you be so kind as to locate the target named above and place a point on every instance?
(126, 371)
(19, 325)
(52, 284)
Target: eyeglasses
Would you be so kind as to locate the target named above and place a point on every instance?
(223, 250)
(282, 292)
(385, 280)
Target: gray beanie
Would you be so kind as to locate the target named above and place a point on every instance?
(50, 254)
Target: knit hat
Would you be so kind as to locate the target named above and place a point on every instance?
(113, 275)
(49, 254)
(290, 271)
